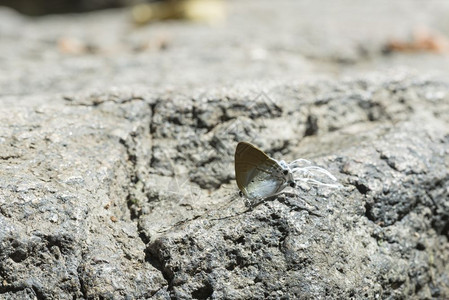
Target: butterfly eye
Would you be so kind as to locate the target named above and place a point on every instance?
(292, 184)
(285, 172)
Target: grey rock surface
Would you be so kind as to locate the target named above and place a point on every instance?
(116, 162)
(383, 235)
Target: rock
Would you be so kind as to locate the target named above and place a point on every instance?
(86, 211)
(379, 236)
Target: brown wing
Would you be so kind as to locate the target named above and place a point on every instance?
(247, 157)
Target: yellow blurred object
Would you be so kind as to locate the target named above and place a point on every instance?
(196, 10)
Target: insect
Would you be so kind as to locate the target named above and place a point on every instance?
(259, 176)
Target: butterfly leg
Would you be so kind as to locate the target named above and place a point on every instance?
(248, 203)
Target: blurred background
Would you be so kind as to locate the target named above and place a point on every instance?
(42, 7)
(72, 45)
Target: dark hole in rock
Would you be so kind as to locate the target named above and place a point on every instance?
(18, 256)
(445, 230)
(203, 292)
(240, 240)
(311, 125)
(420, 246)
(369, 213)
(362, 188)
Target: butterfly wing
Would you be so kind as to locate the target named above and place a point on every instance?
(247, 158)
(257, 174)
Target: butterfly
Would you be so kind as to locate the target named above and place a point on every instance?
(259, 176)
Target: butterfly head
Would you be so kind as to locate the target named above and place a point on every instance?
(287, 174)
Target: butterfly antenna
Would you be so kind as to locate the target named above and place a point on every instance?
(317, 183)
(170, 161)
(307, 170)
(298, 161)
(312, 174)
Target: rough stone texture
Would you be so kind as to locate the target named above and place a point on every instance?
(383, 235)
(116, 162)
